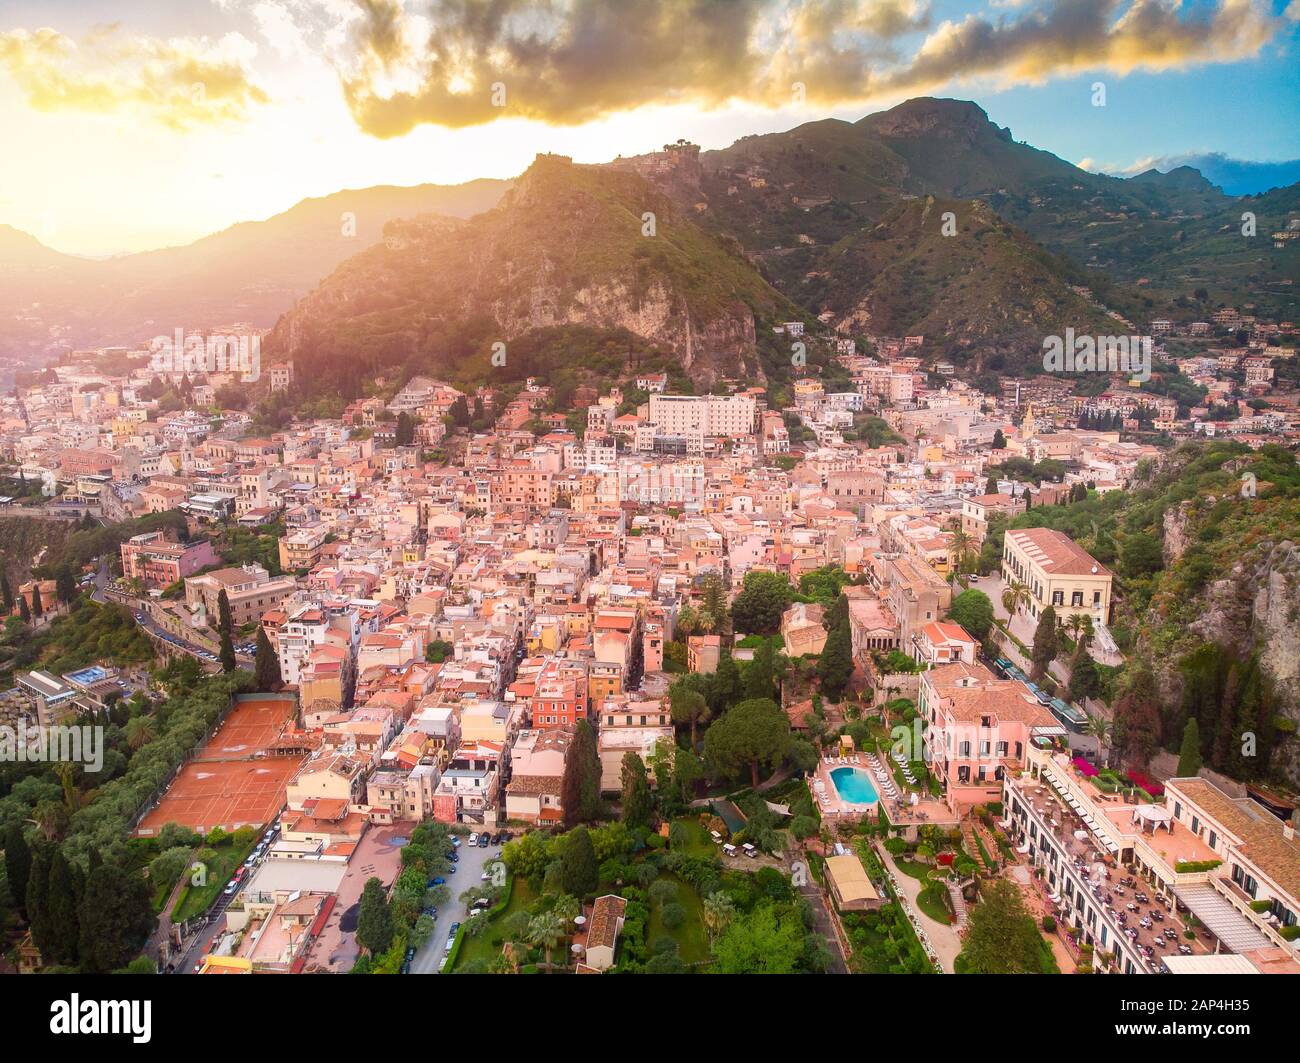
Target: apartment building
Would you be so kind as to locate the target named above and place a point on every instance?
(709, 415)
(536, 771)
(468, 791)
(630, 724)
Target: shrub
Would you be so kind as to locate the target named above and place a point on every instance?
(673, 915)
(1049, 923)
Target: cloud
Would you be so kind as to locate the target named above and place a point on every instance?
(182, 83)
(571, 61)
(1070, 36)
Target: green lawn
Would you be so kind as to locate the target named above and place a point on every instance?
(934, 907)
(481, 946)
(691, 937)
(195, 900)
(913, 868)
(699, 842)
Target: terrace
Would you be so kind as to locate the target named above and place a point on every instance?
(1147, 922)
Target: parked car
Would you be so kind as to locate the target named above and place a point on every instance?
(483, 840)
(439, 881)
(473, 839)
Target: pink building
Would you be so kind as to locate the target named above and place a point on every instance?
(979, 726)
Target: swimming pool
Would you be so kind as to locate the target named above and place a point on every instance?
(854, 785)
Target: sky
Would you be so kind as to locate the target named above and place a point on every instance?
(133, 124)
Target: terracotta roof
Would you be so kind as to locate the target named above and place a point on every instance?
(605, 916)
(1056, 553)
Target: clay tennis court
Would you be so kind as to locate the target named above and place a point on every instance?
(228, 785)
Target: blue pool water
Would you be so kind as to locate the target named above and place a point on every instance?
(854, 785)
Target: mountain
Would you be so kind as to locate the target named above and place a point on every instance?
(251, 272)
(791, 197)
(565, 249)
(987, 291)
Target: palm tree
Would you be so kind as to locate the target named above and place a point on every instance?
(546, 930)
(140, 731)
(49, 817)
(718, 911)
(1079, 625)
(1014, 595)
(960, 546)
(1100, 728)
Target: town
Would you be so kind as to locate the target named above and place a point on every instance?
(836, 675)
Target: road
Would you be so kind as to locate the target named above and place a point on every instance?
(468, 870)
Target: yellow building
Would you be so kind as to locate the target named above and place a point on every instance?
(1058, 572)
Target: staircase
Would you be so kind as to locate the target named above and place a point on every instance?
(958, 905)
(971, 846)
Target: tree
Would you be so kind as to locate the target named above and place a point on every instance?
(579, 869)
(140, 731)
(62, 900)
(1014, 595)
(374, 921)
(974, 612)
(688, 707)
(580, 784)
(6, 592)
(266, 670)
(727, 687)
(763, 942)
(65, 584)
(1085, 680)
(1046, 644)
(991, 485)
(1137, 718)
(225, 623)
(999, 440)
(962, 547)
(38, 607)
(760, 675)
(637, 802)
(18, 865)
(1140, 556)
(753, 733)
(763, 597)
(1189, 756)
(116, 918)
(1001, 936)
(228, 662)
(24, 610)
(835, 665)
(37, 901)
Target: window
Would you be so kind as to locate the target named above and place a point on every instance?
(1058, 597)
(1076, 598)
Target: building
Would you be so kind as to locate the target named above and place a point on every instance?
(979, 727)
(1058, 572)
(850, 886)
(250, 589)
(157, 562)
(1228, 861)
(606, 922)
(630, 725)
(536, 771)
(802, 630)
(709, 415)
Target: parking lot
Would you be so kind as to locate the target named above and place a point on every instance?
(469, 870)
